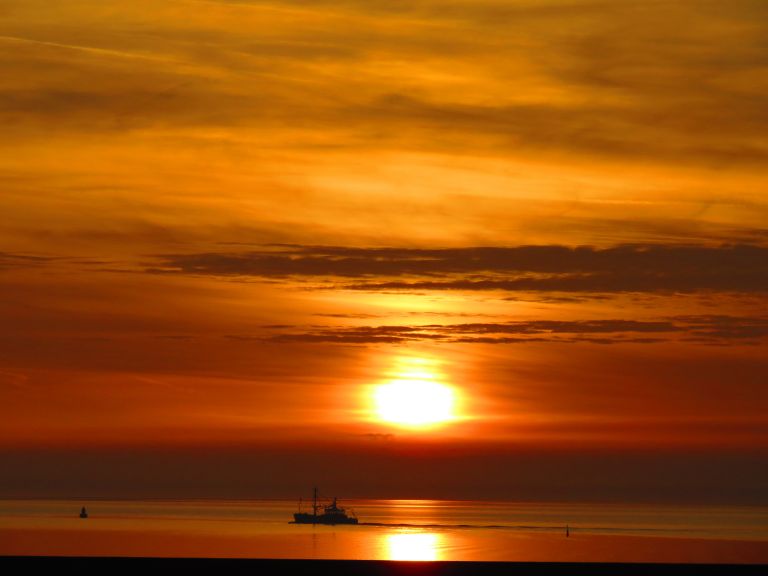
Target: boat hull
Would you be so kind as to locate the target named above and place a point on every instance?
(301, 518)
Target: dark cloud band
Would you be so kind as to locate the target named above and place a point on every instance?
(709, 329)
(624, 268)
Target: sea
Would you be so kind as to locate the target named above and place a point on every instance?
(389, 530)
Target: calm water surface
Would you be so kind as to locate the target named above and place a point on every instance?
(392, 529)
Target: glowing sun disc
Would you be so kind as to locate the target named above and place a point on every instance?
(414, 402)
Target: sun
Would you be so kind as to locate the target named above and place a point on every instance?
(415, 399)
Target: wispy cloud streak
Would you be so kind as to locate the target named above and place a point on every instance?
(711, 329)
(625, 268)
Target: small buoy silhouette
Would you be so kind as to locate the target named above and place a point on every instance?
(83, 513)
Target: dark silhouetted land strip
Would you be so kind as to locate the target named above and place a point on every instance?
(101, 565)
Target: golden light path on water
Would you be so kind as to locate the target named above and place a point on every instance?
(422, 546)
(260, 529)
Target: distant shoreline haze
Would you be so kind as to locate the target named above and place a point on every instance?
(440, 473)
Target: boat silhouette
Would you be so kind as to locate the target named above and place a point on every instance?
(329, 514)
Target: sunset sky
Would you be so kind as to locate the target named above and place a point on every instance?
(227, 224)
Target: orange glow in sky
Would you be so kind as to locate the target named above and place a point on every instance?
(350, 231)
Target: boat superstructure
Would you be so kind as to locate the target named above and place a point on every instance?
(324, 514)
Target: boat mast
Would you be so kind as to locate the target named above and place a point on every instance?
(314, 502)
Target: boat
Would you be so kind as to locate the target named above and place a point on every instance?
(330, 514)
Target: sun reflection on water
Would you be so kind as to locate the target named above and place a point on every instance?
(421, 546)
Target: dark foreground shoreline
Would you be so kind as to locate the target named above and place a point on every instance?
(103, 565)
